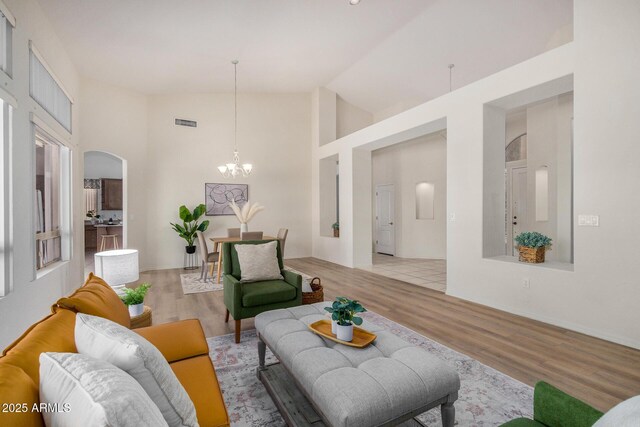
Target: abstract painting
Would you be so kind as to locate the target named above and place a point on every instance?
(218, 196)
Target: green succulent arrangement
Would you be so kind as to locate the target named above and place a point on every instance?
(336, 226)
(136, 295)
(533, 239)
(343, 310)
(190, 224)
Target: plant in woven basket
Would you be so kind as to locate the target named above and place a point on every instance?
(533, 239)
(343, 310)
(136, 295)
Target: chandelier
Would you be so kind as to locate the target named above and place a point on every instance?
(233, 169)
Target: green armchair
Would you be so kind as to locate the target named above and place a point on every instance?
(248, 299)
(555, 408)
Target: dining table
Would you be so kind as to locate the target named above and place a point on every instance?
(217, 247)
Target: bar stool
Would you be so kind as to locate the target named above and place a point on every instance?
(105, 237)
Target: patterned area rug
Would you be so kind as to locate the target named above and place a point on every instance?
(486, 398)
(191, 284)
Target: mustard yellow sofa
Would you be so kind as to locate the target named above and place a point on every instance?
(182, 343)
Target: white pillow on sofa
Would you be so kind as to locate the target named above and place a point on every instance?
(624, 414)
(258, 262)
(92, 392)
(106, 340)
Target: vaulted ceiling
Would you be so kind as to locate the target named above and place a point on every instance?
(378, 55)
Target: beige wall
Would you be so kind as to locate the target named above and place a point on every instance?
(598, 295)
(273, 134)
(350, 118)
(30, 298)
(404, 165)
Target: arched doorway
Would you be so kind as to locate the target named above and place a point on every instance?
(105, 204)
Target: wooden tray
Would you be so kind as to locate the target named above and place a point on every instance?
(361, 338)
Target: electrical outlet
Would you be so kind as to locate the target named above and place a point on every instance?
(526, 283)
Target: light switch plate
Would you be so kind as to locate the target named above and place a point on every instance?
(588, 220)
(452, 217)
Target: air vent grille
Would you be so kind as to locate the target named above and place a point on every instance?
(188, 123)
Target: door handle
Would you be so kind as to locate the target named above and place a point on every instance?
(390, 223)
(514, 223)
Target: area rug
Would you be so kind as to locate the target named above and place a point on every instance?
(192, 284)
(486, 398)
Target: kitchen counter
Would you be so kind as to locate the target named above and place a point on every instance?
(107, 225)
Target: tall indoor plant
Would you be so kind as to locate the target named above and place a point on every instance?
(190, 225)
(343, 315)
(532, 246)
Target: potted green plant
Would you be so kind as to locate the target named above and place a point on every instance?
(134, 299)
(336, 229)
(190, 225)
(532, 246)
(343, 315)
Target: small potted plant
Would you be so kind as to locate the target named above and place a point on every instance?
(532, 246)
(134, 299)
(244, 215)
(343, 315)
(190, 225)
(336, 229)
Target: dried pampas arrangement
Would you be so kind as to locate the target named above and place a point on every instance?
(247, 212)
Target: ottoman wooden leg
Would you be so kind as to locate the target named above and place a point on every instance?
(237, 331)
(448, 412)
(226, 317)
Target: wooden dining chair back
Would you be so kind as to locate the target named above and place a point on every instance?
(206, 257)
(282, 237)
(251, 235)
(233, 232)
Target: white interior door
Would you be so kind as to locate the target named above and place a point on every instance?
(385, 218)
(517, 203)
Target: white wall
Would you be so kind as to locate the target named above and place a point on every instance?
(599, 295)
(115, 121)
(404, 165)
(98, 165)
(30, 298)
(273, 134)
(350, 118)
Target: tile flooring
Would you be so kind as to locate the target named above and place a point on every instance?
(428, 273)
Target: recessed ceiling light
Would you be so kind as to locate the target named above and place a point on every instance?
(354, 2)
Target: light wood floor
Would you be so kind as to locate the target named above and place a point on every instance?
(597, 371)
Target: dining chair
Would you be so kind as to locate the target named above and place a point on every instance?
(233, 232)
(251, 235)
(206, 257)
(282, 237)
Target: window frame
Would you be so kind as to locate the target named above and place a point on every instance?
(7, 25)
(6, 196)
(65, 203)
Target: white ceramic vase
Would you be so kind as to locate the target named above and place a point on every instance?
(244, 227)
(136, 309)
(344, 333)
(334, 323)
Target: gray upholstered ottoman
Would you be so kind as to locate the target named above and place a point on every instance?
(384, 384)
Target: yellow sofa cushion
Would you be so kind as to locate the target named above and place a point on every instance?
(97, 298)
(177, 340)
(53, 333)
(19, 392)
(198, 378)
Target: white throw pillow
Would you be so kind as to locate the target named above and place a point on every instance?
(81, 391)
(109, 341)
(624, 414)
(259, 262)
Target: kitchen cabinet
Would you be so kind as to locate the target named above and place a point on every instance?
(111, 194)
(90, 236)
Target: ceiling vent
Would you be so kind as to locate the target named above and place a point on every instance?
(188, 123)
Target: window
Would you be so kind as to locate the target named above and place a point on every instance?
(7, 22)
(5, 200)
(51, 191)
(46, 90)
